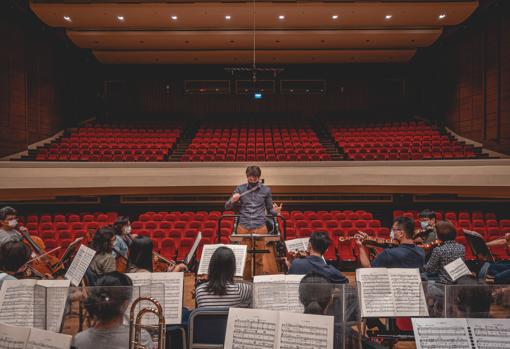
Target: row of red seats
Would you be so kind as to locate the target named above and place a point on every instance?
(412, 156)
(103, 158)
(258, 157)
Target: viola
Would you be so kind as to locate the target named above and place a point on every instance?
(44, 263)
(160, 263)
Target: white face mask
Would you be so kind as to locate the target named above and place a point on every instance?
(424, 225)
(13, 223)
(127, 229)
(392, 234)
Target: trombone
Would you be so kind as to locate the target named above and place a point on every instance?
(135, 323)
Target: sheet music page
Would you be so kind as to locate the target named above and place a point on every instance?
(172, 297)
(296, 245)
(208, 250)
(304, 331)
(17, 302)
(292, 289)
(40, 339)
(437, 333)
(56, 298)
(251, 329)
(376, 296)
(193, 248)
(457, 269)
(407, 292)
(80, 264)
(269, 292)
(490, 333)
(141, 288)
(13, 337)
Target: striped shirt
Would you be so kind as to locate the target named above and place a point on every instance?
(237, 295)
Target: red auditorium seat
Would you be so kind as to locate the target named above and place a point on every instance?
(168, 249)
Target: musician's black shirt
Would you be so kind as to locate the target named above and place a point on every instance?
(403, 256)
(253, 206)
(305, 265)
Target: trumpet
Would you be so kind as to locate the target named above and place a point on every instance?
(135, 323)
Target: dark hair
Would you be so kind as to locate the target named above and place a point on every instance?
(13, 255)
(106, 300)
(101, 240)
(426, 213)
(315, 292)
(320, 241)
(7, 211)
(119, 223)
(406, 224)
(140, 253)
(222, 269)
(446, 231)
(253, 171)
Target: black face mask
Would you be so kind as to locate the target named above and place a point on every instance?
(251, 185)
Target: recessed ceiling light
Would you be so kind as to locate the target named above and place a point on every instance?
(67, 18)
(227, 17)
(389, 16)
(281, 17)
(442, 16)
(334, 16)
(174, 18)
(120, 18)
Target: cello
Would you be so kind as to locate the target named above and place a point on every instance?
(43, 262)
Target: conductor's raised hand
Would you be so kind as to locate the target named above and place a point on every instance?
(278, 209)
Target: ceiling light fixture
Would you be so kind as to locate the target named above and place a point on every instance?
(120, 18)
(67, 18)
(227, 17)
(174, 18)
(334, 16)
(389, 16)
(442, 16)
(281, 17)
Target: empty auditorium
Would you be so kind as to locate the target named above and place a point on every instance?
(338, 169)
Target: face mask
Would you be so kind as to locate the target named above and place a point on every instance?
(392, 234)
(13, 223)
(127, 229)
(424, 225)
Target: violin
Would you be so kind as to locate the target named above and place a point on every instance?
(372, 241)
(44, 263)
(160, 263)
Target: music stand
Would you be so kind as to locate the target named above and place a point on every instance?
(478, 246)
(253, 251)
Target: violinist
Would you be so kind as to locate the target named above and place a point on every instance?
(426, 234)
(104, 261)
(8, 225)
(14, 256)
(317, 246)
(123, 237)
(449, 251)
(140, 259)
(405, 255)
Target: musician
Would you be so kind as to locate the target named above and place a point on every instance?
(449, 251)
(122, 227)
(107, 304)
(317, 246)
(14, 256)
(502, 241)
(427, 232)
(140, 258)
(315, 293)
(220, 290)
(406, 255)
(8, 225)
(253, 206)
(104, 261)
(500, 270)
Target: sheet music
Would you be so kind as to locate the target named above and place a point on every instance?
(277, 292)
(407, 292)
(296, 245)
(490, 333)
(251, 329)
(56, 298)
(457, 269)
(193, 248)
(17, 302)
(304, 331)
(40, 339)
(80, 264)
(208, 250)
(376, 297)
(12, 337)
(433, 333)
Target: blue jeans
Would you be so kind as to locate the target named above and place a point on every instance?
(501, 272)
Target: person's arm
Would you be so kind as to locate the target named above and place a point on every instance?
(364, 260)
(271, 209)
(500, 241)
(434, 263)
(234, 200)
(110, 264)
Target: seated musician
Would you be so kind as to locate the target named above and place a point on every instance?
(427, 232)
(13, 258)
(449, 251)
(140, 259)
(122, 227)
(500, 270)
(253, 206)
(317, 246)
(220, 290)
(315, 293)
(107, 304)
(8, 225)
(405, 255)
(104, 261)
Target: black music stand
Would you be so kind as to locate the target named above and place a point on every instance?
(478, 246)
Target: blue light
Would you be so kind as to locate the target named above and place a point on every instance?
(258, 96)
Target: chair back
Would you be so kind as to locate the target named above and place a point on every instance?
(207, 328)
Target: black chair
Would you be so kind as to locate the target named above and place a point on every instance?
(207, 328)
